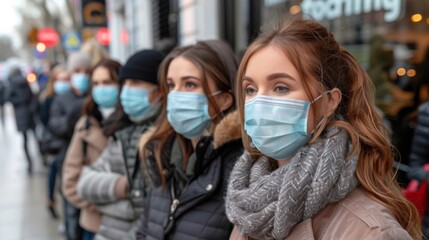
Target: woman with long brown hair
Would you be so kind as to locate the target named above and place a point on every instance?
(89, 140)
(189, 155)
(318, 163)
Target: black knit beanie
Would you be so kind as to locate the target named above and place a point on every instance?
(143, 65)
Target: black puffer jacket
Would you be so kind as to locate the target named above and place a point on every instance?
(64, 113)
(198, 212)
(420, 149)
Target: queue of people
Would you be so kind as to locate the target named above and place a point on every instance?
(286, 144)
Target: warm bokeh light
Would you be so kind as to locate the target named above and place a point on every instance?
(427, 20)
(31, 78)
(40, 47)
(401, 72)
(411, 73)
(416, 17)
(295, 9)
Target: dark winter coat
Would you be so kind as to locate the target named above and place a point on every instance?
(198, 212)
(65, 111)
(2, 92)
(44, 109)
(21, 97)
(420, 153)
(420, 148)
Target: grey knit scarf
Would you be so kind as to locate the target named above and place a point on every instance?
(266, 204)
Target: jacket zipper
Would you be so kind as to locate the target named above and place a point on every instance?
(175, 202)
(169, 223)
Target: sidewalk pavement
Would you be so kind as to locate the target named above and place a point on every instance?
(23, 212)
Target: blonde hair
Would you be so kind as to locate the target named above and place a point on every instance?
(321, 62)
(95, 51)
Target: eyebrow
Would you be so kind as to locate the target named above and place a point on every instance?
(184, 78)
(271, 77)
(279, 75)
(245, 78)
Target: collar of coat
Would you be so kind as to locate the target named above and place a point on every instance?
(227, 130)
(90, 131)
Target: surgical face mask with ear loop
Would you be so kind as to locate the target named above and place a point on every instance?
(61, 87)
(135, 102)
(188, 113)
(277, 126)
(81, 82)
(105, 96)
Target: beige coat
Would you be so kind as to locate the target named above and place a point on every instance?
(90, 218)
(355, 217)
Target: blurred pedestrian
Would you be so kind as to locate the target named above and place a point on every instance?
(89, 140)
(118, 167)
(318, 163)
(189, 156)
(95, 51)
(21, 97)
(50, 145)
(420, 155)
(58, 84)
(65, 110)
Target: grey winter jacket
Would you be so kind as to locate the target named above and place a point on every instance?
(100, 182)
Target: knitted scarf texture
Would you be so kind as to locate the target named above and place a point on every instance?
(266, 203)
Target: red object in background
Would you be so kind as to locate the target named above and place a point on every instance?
(103, 36)
(124, 37)
(48, 36)
(416, 193)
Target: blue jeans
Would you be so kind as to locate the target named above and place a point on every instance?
(87, 235)
(71, 220)
(52, 178)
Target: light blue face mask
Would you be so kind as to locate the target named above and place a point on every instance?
(105, 96)
(61, 87)
(80, 81)
(135, 102)
(277, 126)
(188, 113)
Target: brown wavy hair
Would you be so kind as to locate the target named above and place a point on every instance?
(214, 59)
(90, 108)
(321, 62)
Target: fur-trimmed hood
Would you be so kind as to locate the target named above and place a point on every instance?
(227, 130)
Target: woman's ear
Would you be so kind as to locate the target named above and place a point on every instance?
(225, 100)
(335, 96)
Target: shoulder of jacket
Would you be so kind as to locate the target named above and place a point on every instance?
(424, 108)
(80, 124)
(359, 206)
(85, 123)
